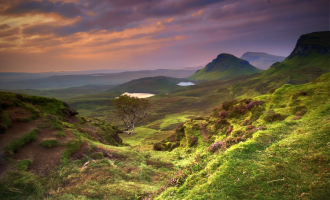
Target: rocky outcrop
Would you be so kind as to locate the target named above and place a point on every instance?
(317, 42)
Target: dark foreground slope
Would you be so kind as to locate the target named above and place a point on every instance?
(47, 151)
(225, 66)
(275, 146)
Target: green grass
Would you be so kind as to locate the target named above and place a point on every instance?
(288, 160)
(19, 143)
(23, 164)
(49, 143)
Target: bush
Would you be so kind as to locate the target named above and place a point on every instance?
(193, 141)
(216, 146)
(299, 110)
(16, 145)
(253, 104)
(158, 146)
(223, 114)
(49, 143)
(271, 116)
(301, 93)
(228, 104)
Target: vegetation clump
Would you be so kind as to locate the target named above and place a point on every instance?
(272, 116)
(97, 155)
(49, 143)
(19, 143)
(23, 164)
(216, 146)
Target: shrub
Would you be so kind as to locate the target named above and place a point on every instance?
(216, 146)
(49, 143)
(177, 179)
(301, 93)
(228, 104)
(222, 122)
(223, 114)
(193, 141)
(253, 104)
(158, 146)
(250, 127)
(271, 116)
(229, 130)
(237, 110)
(299, 110)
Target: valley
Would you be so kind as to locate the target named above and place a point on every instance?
(233, 131)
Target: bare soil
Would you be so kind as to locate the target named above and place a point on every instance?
(17, 113)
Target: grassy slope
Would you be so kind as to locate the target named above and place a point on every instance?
(123, 175)
(288, 160)
(297, 70)
(225, 66)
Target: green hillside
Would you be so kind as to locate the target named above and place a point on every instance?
(225, 66)
(275, 146)
(308, 61)
(48, 151)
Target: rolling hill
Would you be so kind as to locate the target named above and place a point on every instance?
(64, 81)
(261, 60)
(154, 85)
(225, 66)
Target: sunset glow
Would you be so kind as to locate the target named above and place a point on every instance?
(62, 35)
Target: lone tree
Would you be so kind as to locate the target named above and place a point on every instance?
(131, 110)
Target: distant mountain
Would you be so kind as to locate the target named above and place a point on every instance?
(193, 68)
(225, 66)
(20, 76)
(308, 61)
(261, 60)
(59, 81)
(154, 85)
(65, 93)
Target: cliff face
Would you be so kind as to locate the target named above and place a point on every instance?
(317, 42)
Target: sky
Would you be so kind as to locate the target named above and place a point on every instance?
(76, 35)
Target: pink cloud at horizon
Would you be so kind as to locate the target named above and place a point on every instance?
(69, 35)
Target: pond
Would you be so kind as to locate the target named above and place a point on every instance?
(139, 95)
(185, 83)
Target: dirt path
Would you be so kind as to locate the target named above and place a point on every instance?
(17, 130)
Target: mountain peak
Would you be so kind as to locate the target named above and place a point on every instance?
(224, 66)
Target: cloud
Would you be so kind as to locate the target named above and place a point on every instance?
(4, 26)
(31, 7)
(10, 32)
